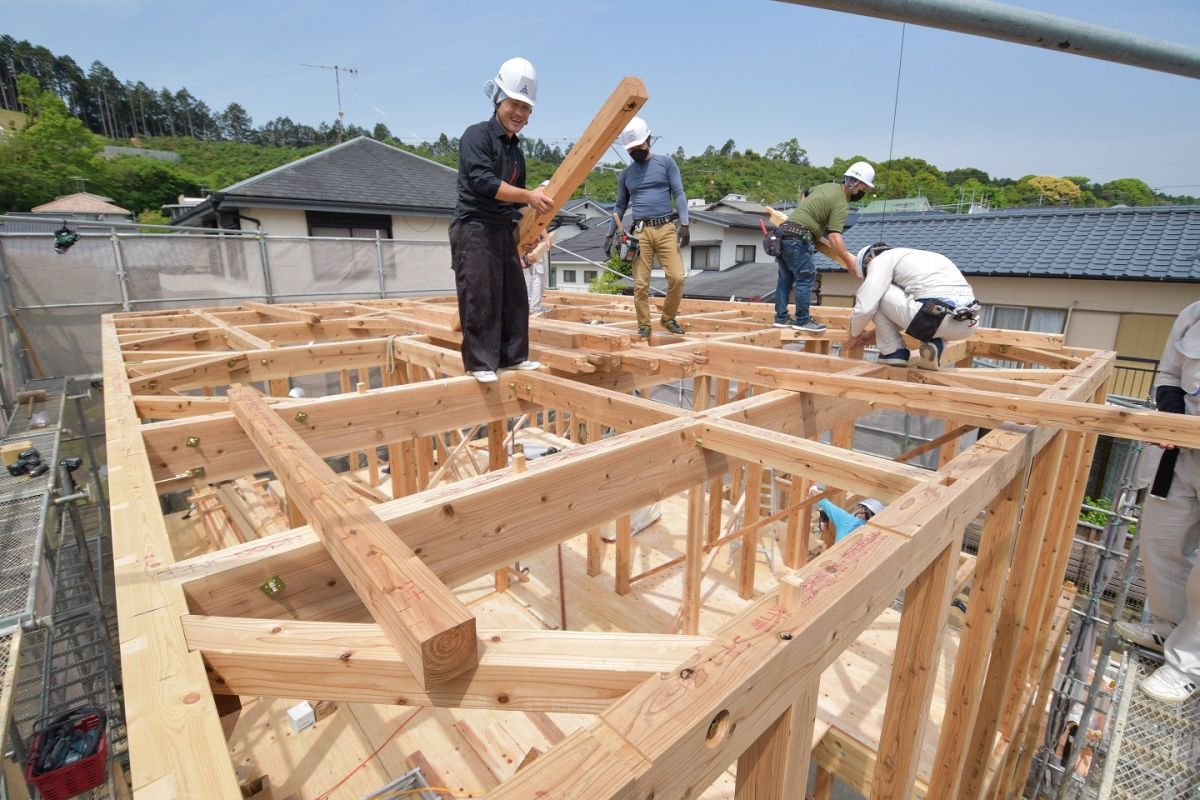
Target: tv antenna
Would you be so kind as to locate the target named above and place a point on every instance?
(337, 71)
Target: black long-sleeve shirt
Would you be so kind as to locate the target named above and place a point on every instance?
(487, 155)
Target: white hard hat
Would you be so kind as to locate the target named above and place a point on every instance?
(635, 134)
(872, 505)
(296, 391)
(871, 250)
(517, 80)
(862, 171)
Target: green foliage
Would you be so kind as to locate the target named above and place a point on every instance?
(42, 160)
(152, 217)
(1100, 518)
(608, 283)
(143, 184)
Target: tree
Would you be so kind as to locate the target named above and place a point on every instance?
(1055, 191)
(40, 161)
(381, 133)
(727, 149)
(679, 154)
(1127, 192)
(143, 184)
(236, 124)
(789, 151)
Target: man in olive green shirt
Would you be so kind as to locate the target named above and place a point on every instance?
(820, 215)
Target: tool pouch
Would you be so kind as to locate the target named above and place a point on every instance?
(925, 323)
(629, 248)
(771, 244)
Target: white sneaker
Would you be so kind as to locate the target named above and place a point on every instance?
(1168, 685)
(1149, 635)
(527, 364)
(484, 376)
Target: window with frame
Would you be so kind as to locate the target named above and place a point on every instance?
(706, 257)
(568, 276)
(1024, 318)
(347, 261)
(589, 275)
(745, 254)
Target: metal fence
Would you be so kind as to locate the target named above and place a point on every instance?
(53, 301)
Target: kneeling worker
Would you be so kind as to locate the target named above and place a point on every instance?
(918, 292)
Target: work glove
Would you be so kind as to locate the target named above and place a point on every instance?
(684, 236)
(608, 245)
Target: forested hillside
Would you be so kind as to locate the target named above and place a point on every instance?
(71, 114)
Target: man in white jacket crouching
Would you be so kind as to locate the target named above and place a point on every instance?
(917, 292)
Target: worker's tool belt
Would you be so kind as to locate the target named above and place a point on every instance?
(925, 323)
(793, 230)
(629, 248)
(654, 222)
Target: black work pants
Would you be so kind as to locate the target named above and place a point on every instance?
(492, 302)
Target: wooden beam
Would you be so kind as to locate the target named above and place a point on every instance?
(1177, 429)
(863, 474)
(166, 695)
(237, 338)
(610, 120)
(518, 670)
(432, 629)
(330, 425)
(288, 313)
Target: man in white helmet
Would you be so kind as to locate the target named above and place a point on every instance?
(1170, 528)
(820, 215)
(647, 187)
(916, 291)
(492, 302)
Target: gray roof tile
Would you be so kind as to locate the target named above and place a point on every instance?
(1150, 243)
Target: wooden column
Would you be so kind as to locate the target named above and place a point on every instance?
(693, 567)
(914, 670)
(775, 767)
(595, 541)
(372, 456)
(799, 528)
(978, 634)
(1031, 539)
(432, 630)
(498, 459)
(750, 515)
(623, 568)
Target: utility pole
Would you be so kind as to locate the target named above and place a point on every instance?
(337, 71)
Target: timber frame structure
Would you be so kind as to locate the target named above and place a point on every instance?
(351, 599)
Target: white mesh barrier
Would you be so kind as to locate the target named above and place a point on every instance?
(170, 266)
(58, 299)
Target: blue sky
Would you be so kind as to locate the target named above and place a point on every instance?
(755, 71)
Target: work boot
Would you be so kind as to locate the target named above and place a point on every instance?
(1149, 635)
(930, 355)
(674, 327)
(809, 326)
(644, 331)
(1168, 685)
(898, 358)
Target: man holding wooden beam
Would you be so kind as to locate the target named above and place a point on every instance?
(492, 303)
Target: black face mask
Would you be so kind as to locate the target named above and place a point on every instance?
(640, 155)
(858, 195)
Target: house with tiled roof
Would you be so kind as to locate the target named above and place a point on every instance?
(352, 189)
(83, 206)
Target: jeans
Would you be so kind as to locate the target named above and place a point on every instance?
(796, 268)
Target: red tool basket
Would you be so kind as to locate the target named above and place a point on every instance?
(64, 732)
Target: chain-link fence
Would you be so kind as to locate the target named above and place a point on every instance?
(53, 301)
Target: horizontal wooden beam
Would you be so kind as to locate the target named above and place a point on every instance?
(420, 616)
(867, 475)
(237, 338)
(330, 425)
(518, 670)
(282, 312)
(471, 528)
(1154, 426)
